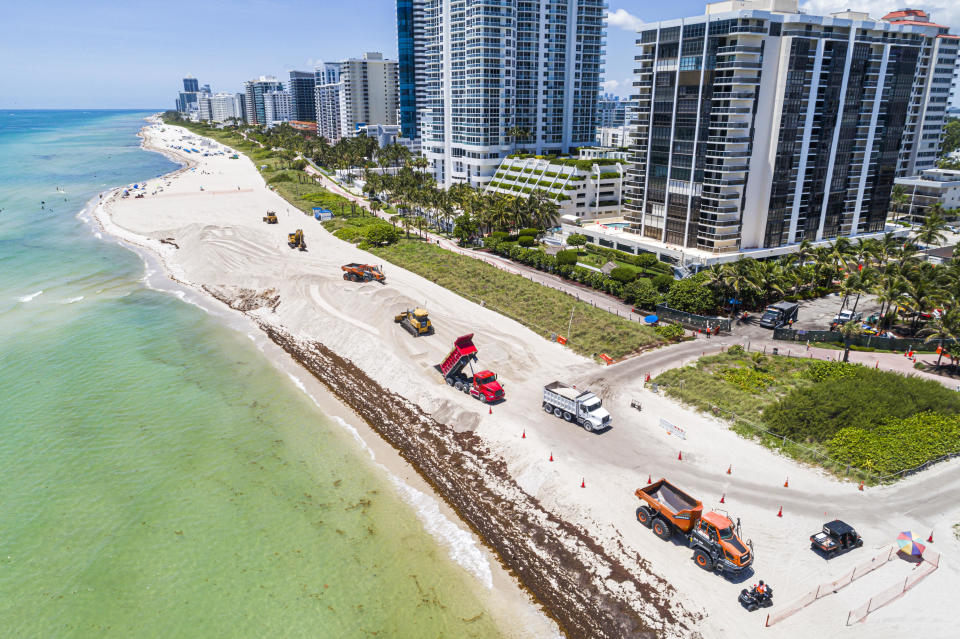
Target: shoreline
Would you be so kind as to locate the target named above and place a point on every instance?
(602, 609)
(512, 610)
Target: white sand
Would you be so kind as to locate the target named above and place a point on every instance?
(223, 243)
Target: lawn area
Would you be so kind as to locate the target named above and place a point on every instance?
(540, 308)
(847, 418)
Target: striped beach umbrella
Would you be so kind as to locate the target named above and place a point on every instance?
(909, 543)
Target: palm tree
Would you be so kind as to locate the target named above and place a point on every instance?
(944, 326)
(898, 197)
(933, 229)
(517, 133)
(849, 331)
(738, 278)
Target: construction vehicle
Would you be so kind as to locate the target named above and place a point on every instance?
(573, 405)
(836, 537)
(270, 217)
(363, 273)
(415, 321)
(483, 385)
(779, 314)
(715, 540)
(295, 240)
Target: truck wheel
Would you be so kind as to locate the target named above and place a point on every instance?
(662, 529)
(547, 407)
(482, 398)
(449, 381)
(458, 386)
(703, 559)
(644, 516)
(567, 416)
(558, 412)
(587, 426)
(346, 276)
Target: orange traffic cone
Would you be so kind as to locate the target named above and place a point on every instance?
(551, 456)
(649, 479)
(861, 485)
(786, 484)
(780, 512)
(930, 538)
(729, 469)
(524, 435)
(583, 483)
(723, 498)
(491, 411)
(680, 456)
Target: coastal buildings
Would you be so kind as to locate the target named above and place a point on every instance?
(615, 136)
(188, 99)
(254, 91)
(502, 75)
(931, 187)
(302, 87)
(759, 127)
(411, 64)
(368, 92)
(584, 189)
(220, 107)
(926, 117)
(277, 107)
(613, 111)
(327, 98)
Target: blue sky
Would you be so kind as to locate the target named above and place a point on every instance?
(131, 54)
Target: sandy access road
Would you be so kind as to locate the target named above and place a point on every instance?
(225, 246)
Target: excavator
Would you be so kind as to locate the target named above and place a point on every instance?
(270, 217)
(295, 240)
(363, 273)
(415, 321)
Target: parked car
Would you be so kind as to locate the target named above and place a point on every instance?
(835, 538)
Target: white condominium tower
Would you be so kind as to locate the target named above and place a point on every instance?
(328, 101)
(760, 126)
(368, 94)
(255, 90)
(931, 91)
(494, 67)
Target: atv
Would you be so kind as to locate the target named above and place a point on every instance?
(751, 599)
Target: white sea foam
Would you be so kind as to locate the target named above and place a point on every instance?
(73, 300)
(460, 544)
(28, 298)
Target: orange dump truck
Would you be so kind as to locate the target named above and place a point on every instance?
(713, 537)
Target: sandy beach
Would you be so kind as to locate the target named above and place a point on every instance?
(578, 550)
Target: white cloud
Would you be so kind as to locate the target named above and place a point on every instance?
(945, 12)
(610, 85)
(623, 19)
(617, 87)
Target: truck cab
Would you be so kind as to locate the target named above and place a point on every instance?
(717, 546)
(592, 410)
(485, 384)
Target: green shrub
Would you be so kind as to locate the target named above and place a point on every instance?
(897, 444)
(736, 349)
(501, 235)
(747, 379)
(646, 260)
(856, 397)
(663, 282)
(533, 232)
(566, 258)
(380, 234)
(642, 294)
(623, 274)
(671, 332)
(821, 371)
(691, 296)
(526, 241)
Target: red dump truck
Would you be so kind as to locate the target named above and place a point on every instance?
(715, 540)
(483, 385)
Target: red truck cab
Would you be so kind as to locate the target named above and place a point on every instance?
(485, 383)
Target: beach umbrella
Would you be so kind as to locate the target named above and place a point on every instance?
(651, 319)
(909, 543)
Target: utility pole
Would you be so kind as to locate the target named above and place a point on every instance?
(570, 323)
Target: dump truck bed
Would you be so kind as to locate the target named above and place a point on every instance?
(463, 350)
(678, 507)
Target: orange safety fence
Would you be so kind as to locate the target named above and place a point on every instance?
(880, 559)
(931, 561)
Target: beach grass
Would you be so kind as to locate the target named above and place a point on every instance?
(542, 309)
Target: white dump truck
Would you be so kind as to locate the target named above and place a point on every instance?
(574, 405)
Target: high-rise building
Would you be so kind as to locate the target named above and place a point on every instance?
(931, 92)
(191, 85)
(302, 87)
(327, 98)
(498, 69)
(613, 111)
(759, 126)
(255, 90)
(411, 61)
(368, 94)
(277, 107)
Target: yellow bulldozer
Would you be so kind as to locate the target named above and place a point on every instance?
(295, 240)
(270, 217)
(415, 321)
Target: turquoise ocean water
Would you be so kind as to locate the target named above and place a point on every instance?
(158, 476)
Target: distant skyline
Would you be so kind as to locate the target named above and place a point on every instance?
(103, 55)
